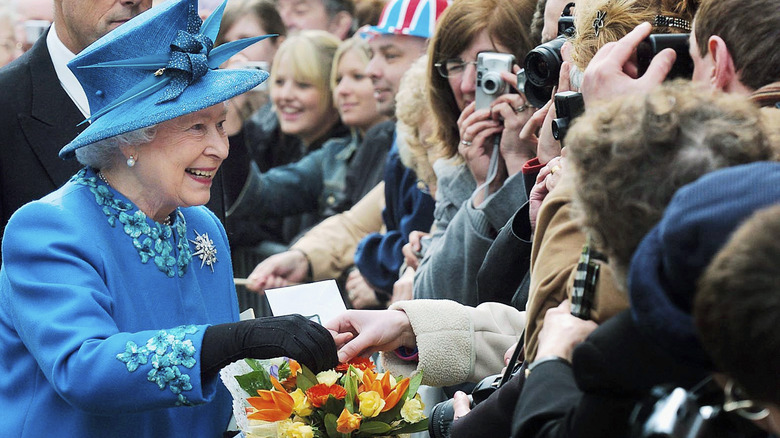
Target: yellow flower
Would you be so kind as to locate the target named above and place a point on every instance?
(347, 422)
(329, 377)
(371, 403)
(301, 407)
(412, 411)
(390, 393)
(290, 429)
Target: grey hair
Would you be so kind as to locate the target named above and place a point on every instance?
(104, 154)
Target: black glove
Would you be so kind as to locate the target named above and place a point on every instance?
(263, 338)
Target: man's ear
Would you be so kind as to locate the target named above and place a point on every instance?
(724, 75)
(341, 24)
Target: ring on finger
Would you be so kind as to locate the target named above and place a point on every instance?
(554, 169)
(522, 108)
(465, 143)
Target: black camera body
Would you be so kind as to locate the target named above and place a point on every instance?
(568, 106)
(542, 65)
(490, 85)
(653, 44)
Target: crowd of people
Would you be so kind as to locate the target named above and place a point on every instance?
(597, 227)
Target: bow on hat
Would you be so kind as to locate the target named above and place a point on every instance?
(192, 55)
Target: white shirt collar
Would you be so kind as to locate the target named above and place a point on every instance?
(60, 56)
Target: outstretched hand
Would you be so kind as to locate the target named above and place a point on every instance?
(278, 270)
(371, 331)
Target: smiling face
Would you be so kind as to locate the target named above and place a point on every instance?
(463, 85)
(80, 23)
(391, 57)
(177, 167)
(354, 93)
(299, 105)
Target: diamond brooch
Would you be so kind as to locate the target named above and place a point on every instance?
(204, 248)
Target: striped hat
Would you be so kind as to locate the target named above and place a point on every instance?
(409, 17)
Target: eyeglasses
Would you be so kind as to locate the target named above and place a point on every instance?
(452, 67)
(741, 406)
(10, 44)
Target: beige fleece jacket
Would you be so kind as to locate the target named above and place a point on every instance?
(457, 343)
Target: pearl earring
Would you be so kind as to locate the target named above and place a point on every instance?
(131, 161)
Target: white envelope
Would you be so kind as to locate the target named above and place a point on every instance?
(320, 301)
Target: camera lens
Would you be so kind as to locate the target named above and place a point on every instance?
(543, 64)
(442, 416)
(492, 83)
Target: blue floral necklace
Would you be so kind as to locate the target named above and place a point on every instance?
(153, 241)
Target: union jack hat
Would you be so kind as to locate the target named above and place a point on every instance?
(409, 17)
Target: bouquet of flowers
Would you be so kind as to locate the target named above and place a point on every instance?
(281, 398)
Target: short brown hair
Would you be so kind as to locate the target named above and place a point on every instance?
(367, 12)
(263, 10)
(737, 306)
(630, 155)
(745, 26)
(506, 22)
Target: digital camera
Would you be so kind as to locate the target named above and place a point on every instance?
(490, 85)
(674, 412)
(647, 49)
(568, 106)
(542, 65)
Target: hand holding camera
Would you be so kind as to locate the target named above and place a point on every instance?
(612, 73)
(497, 89)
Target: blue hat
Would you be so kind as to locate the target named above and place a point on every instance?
(156, 67)
(409, 17)
(670, 259)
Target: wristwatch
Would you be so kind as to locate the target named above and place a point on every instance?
(541, 360)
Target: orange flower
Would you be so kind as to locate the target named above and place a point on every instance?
(295, 367)
(272, 405)
(318, 394)
(361, 363)
(347, 422)
(390, 395)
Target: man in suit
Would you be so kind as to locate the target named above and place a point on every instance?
(42, 103)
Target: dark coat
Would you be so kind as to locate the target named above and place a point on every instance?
(612, 371)
(37, 118)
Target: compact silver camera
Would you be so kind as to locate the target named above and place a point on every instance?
(490, 85)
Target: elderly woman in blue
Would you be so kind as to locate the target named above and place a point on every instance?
(117, 306)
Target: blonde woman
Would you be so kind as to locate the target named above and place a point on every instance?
(316, 185)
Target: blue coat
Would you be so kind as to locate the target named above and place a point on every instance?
(102, 315)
